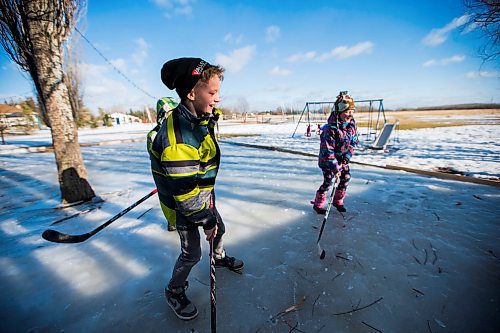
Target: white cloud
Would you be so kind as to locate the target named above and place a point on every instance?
(444, 61)
(141, 53)
(272, 33)
(470, 27)
(230, 39)
(175, 7)
(439, 36)
(430, 63)
(237, 59)
(344, 52)
(103, 88)
(455, 58)
(302, 56)
(120, 63)
(475, 75)
(93, 71)
(184, 10)
(280, 71)
(163, 3)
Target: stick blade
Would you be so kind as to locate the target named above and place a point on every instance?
(58, 237)
(321, 252)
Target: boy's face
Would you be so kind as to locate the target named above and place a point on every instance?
(347, 115)
(205, 96)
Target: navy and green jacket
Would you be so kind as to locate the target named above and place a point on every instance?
(185, 158)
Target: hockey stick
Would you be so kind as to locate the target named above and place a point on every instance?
(213, 316)
(322, 252)
(59, 237)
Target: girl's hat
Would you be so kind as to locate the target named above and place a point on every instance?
(344, 102)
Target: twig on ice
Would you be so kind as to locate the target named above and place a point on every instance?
(74, 215)
(426, 255)
(358, 308)
(321, 328)
(203, 283)
(144, 213)
(292, 308)
(418, 291)
(370, 326)
(336, 276)
(314, 304)
(294, 328)
(302, 276)
(493, 254)
(434, 253)
(342, 257)
(429, 326)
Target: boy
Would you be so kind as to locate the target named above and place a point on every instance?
(338, 139)
(185, 157)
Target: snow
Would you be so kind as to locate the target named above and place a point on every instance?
(423, 250)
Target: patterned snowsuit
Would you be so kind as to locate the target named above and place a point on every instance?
(338, 140)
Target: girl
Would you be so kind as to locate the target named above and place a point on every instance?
(338, 139)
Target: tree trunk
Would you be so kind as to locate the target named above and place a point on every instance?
(48, 71)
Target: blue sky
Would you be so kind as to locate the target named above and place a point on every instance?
(282, 53)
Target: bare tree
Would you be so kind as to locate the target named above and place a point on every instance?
(3, 127)
(242, 106)
(73, 79)
(485, 15)
(34, 34)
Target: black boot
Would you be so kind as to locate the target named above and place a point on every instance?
(319, 210)
(178, 301)
(231, 263)
(340, 208)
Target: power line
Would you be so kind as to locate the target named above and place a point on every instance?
(114, 67)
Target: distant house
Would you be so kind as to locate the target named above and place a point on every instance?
(11, 116)
(122, 118)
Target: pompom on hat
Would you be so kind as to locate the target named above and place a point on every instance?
(182, 74)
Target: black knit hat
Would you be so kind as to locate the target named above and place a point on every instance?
(182, 74)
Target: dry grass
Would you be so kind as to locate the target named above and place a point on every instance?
(434, 118)
(407, 119)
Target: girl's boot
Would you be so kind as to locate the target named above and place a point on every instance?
(319, 203)
(338, 200)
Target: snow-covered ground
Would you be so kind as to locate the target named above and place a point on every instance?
(412, 254)
(470, 150)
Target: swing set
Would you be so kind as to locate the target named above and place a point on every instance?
(318, 113)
